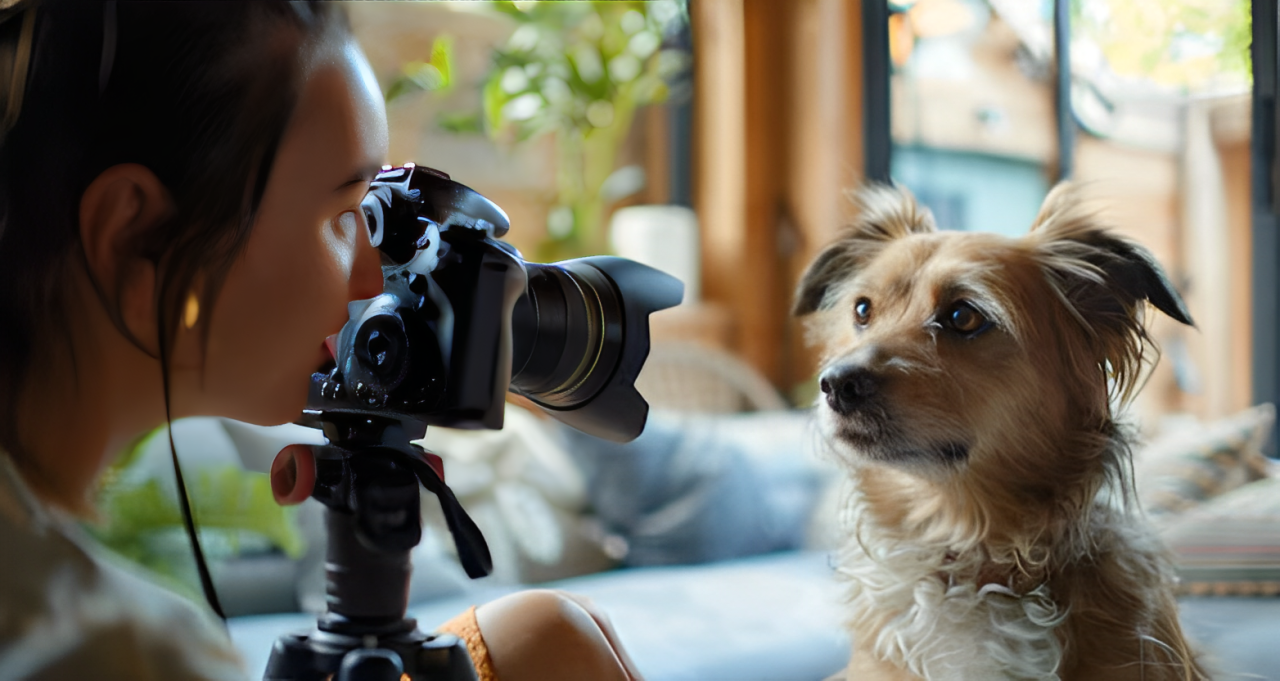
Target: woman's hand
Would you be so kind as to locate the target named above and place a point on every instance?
(293, 475)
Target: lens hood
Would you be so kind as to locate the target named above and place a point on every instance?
(580, 336)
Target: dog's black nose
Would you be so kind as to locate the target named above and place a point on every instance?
(848, 387)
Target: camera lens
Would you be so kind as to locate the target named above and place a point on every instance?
(578, 344)
(569, 335)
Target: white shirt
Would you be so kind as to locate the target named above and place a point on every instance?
(70, 610)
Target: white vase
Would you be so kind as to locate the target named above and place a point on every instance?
(661, 236)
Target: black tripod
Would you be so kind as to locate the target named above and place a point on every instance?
(368, 478)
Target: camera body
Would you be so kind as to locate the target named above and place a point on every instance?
(463, 319)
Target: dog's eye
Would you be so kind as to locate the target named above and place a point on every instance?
(862, 311)
(965, 318)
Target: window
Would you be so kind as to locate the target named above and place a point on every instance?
(979, 108)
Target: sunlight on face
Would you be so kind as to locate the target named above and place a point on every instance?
(309, 252)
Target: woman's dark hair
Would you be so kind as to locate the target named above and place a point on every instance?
(199, 92)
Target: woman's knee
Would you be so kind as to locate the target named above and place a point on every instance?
(545, 634)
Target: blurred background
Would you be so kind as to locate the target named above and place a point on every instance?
(715, 139)
(746, 120)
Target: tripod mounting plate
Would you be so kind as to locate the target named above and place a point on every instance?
(321, 655)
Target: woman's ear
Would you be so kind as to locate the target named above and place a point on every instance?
(118, 208)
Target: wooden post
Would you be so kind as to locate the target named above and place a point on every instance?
(719, 135)
(777, 140)
(735, 198)
(825, 147)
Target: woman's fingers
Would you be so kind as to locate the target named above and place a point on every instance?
(293, 475)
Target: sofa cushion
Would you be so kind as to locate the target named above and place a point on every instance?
(775, 618)
(1192, 462)
(765, 618)
(700, 488)
(1230, 545)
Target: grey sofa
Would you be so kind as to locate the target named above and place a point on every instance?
(775, 617)
(720, 579)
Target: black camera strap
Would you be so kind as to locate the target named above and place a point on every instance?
(184, 500)
(473, 550)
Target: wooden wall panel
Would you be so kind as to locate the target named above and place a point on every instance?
(825, 148)
(777, 140)
(763, 293)
(1231, 136)
(720, 150)
(1215, 229)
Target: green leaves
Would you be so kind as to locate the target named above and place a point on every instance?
(582, 61)
(1184, 45)
(234, 510)
(578, 71)
(433, 75)
(225, 499)
(461, 123)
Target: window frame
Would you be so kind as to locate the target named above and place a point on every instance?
(877, 121)
(1264, 174)
(877, 124)
(1265, 200)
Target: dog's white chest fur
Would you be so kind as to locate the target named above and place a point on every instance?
(906, 610)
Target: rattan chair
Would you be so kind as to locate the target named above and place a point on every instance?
(688, 377)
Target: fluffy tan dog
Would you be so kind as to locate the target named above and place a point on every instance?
(969, 381)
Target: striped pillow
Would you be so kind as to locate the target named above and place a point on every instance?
(1230, 545)
(1193, 464)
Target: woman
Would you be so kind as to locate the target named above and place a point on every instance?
(180, 186)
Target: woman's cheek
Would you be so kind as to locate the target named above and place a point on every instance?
(340, 242)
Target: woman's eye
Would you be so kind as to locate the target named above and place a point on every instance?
(965, 318)
(862, 311)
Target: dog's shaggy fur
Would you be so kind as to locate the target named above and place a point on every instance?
(969, 381)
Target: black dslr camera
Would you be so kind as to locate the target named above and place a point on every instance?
(462, 319)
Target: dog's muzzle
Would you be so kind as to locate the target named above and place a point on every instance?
(848, 387)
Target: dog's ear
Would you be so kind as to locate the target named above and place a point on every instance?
(1104, 281)
(884, 213)
(1096, 269)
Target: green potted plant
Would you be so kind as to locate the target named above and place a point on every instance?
(139, 517)
(577, 71)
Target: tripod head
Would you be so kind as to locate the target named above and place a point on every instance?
(369, 479)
